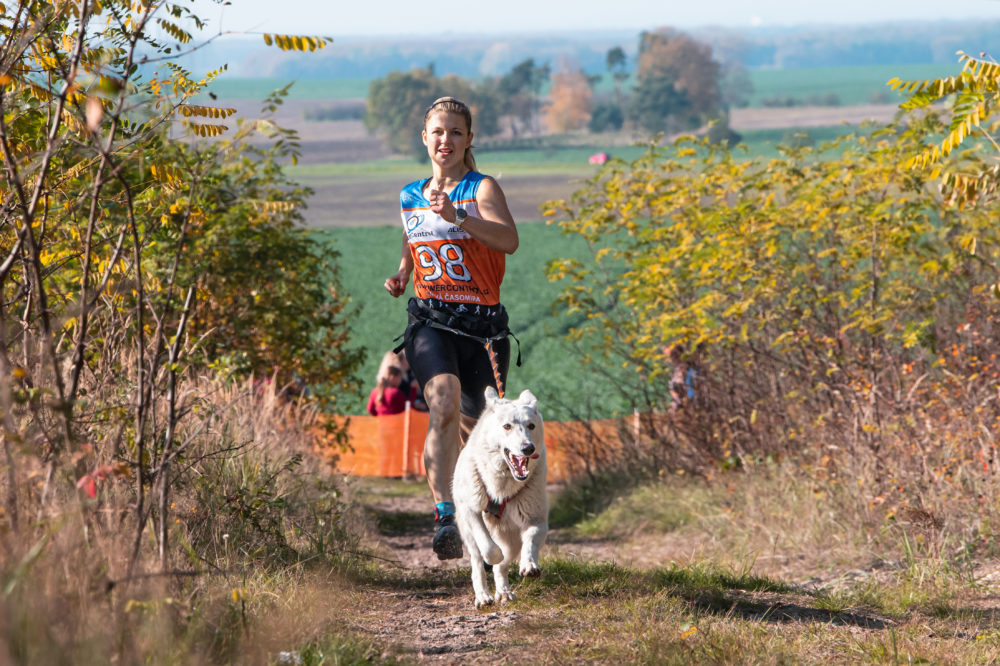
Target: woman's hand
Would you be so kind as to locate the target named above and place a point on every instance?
(441, 204)
(396, 284)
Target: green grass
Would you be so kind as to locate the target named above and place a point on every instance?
(550, 368)
(852, 85)
(541, 161)
(365, 489)
(544, 159)
(395, 168)
(642, 510)
(340, 649)
(403, 522)
(586, 580)
(571, 161)
(764, 143)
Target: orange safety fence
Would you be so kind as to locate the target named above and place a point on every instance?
(393, 446)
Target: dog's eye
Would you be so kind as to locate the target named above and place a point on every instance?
(507, 426)
(531, 426)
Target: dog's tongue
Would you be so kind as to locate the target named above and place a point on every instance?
(520, 464)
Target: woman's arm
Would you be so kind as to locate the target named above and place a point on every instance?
(495, 229)
(396, 284)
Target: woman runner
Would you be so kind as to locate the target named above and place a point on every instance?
(457, 231)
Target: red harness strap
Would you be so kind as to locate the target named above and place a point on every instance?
(495, 508)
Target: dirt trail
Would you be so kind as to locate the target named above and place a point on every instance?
(426, 608)
(430, 612)
(440, 624)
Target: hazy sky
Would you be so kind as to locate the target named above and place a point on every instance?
(412, 17)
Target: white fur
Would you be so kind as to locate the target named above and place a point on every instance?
(482, 472)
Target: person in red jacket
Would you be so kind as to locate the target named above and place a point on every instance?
(387, 398)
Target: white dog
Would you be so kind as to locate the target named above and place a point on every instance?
(499, 489)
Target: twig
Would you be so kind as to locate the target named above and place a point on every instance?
(110, 584)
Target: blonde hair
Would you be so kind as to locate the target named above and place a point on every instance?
(389, 366)
(452, 105)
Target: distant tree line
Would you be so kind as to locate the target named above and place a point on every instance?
(785, 48)
(397, 102)
(674, 84)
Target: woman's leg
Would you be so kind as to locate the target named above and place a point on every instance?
(441, 447)
(433, 357)
(440, 455)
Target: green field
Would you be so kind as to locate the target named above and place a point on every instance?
(851, 85)
(550, 368)
(569, 160)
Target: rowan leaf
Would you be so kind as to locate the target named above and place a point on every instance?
(189, 110)
(296, 42)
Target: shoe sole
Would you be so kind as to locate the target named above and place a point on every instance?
(447, 543)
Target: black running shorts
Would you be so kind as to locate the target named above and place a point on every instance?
(432, 352)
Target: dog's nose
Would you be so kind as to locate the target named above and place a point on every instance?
(528, 449)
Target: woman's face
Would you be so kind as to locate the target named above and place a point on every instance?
(447, 136)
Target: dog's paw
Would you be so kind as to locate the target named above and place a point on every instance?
(494, 555)
(484, 601)
(503, 596)
(530, 570)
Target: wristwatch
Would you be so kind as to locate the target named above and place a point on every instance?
(460, 216)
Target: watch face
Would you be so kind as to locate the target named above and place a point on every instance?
(460, 215)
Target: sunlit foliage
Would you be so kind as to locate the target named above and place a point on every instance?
(825, 284)
(973, 95)
(145, 238)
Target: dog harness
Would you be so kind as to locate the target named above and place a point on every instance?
(461, 320)
(495, 508)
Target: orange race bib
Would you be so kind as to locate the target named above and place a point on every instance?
(449, 264)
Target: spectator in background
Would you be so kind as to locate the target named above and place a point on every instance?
(410, 381)
(387, 398)
(685, 378)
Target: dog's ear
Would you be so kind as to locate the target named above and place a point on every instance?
(528, 399)
(491, 395)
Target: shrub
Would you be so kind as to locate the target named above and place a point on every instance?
(133, 239)
(606, 116)
(837, 299)
(249, 508)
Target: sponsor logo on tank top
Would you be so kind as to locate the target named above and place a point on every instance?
(414, 221)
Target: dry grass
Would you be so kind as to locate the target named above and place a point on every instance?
(879, 554)
(764, 569)
(260, 545)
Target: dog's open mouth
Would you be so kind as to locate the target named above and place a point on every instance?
(518, 465)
